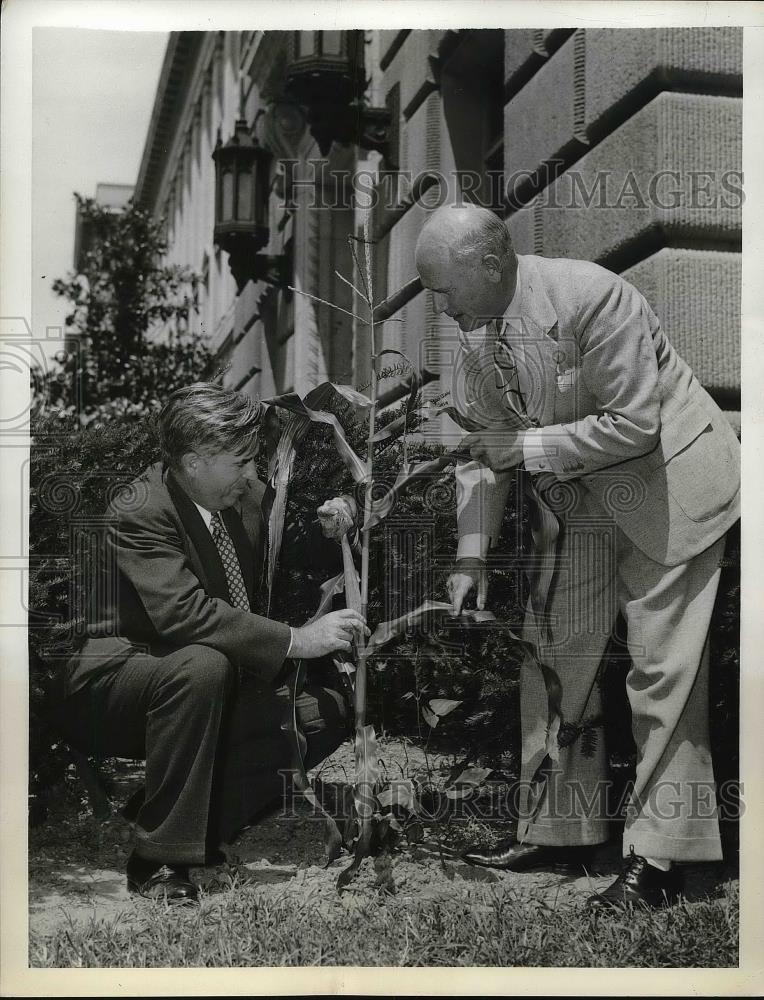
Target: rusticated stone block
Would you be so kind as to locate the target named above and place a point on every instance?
(411, 68)
(389, 44)
(672, 168)
(541, 121)
(521, 229)
(425, 147)
(247, 306)
(696, 296)
(400, 269)
(597, 77)
(618, 60)
(525, 50)
(522, 46)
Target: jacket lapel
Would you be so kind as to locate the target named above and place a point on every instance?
(211, 565)
(529, 327)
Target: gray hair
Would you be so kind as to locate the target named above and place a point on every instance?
(205, 417)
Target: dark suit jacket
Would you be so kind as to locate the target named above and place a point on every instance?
(160, 584)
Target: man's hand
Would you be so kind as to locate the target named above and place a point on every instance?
(332, 632)
(460, 584)
(500, 449)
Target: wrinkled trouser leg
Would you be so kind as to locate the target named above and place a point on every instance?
(213, 744)
(581, 610)
(672, 813)
(168, 710)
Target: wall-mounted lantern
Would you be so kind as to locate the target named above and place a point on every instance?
(242, 193)
(325, 75)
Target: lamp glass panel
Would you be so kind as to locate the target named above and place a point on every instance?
(226, 206)
(244, 205)
(306, 43)
(331, 43)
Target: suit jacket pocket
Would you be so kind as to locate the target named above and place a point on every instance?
(700, 461)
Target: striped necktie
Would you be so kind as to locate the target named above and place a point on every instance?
(545, 526)
(507, 377)
(236, 588)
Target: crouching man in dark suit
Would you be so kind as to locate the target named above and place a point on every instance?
(176, 667)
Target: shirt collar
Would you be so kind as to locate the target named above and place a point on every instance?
(512, 312)
(206, 514)
(513, 309)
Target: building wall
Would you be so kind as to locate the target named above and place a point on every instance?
(616, 145)
(646, 124)
(273, 340)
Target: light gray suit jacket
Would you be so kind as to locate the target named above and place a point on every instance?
(618, 413)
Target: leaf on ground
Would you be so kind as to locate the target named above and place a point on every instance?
(401, 793)
(464, 784)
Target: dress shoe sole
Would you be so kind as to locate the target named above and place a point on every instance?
(638, 902)
(532, 862)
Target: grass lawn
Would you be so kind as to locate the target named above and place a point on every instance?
(487, 928)
(442, 913)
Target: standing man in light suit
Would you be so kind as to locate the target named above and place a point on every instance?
(568, 374)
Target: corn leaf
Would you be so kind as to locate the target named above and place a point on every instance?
(387, 631)
(428, 411)
(409, 472)
(300, 779)
(280, 473)
(443, 706)
(429, 717)
(309, 406)
(329, 590)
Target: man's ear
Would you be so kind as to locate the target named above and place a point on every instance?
(189, 462)
(492, 267)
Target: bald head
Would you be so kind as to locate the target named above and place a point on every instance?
(465, 257)
(466, 230)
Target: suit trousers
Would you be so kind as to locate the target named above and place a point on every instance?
(672, 811)
(216, 754)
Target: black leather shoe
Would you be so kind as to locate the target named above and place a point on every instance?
(510, 855)
(639, 884)
(155, 880)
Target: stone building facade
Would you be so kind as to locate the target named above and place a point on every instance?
(616, 145)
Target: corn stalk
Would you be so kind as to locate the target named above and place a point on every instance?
(365, 737)
(368, 798)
